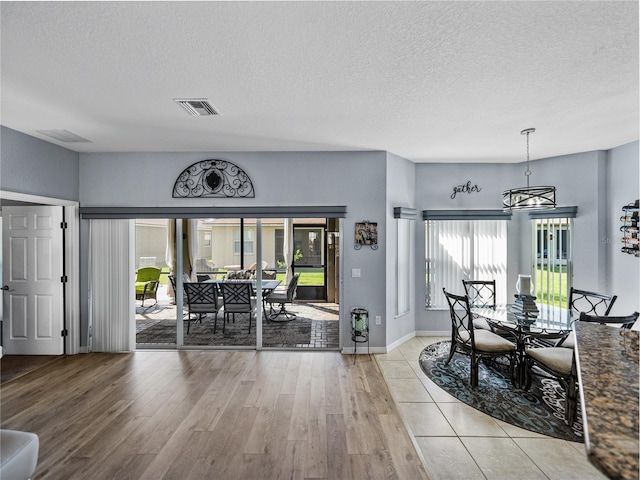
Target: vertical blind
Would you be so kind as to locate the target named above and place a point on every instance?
(459, 250)
(552, 259)
(111, 286)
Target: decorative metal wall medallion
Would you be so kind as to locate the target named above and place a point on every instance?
(213, 178)
(366, 234)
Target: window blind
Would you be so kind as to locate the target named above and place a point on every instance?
(459, 250)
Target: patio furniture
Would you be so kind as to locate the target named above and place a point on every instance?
(478, 344)
(282, 296)
(202, 299)
(147, 281)
(237, 298)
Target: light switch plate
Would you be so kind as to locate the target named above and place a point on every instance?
(355, 272)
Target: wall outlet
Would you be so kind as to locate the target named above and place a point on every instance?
(378, 320)
(355, 273)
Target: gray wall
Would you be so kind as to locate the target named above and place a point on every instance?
(354, 179)
(29, 165)
(434, 186)
(400, 192)
(623, 270)
(370, 184)
(592, 180)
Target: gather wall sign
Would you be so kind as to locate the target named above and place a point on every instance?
(465, 188)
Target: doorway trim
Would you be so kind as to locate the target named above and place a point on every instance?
(71, 262)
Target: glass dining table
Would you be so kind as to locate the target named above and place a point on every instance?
(547, 326)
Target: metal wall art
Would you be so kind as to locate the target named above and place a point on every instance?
(213, 178)
(465, 188)
(366, 234)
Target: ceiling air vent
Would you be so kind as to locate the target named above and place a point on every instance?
(64, 136)
(197, 107)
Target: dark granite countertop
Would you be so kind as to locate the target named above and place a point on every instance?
(607, 360)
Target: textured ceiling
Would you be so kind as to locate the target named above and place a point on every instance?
(429, 81)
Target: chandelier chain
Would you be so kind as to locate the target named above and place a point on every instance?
(527, 172)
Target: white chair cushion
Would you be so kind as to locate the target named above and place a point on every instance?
(558, 359)
(570, 341)
(479, 322)
(487, 341)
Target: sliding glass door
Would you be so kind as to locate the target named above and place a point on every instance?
(226, 249)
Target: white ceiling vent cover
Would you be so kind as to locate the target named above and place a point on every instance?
(64, 136)
(198, 107)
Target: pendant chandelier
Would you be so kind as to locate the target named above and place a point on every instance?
(529, 198)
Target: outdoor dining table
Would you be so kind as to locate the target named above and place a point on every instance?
(549, 325)
(267, 287)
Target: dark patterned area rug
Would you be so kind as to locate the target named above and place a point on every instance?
(274, 334)
(540, 410)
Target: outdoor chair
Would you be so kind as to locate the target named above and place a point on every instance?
(559, 363)
(478, 344)
(147, 281)
(283, 296)
(202, 299)
(237, 298)
(185, 301)
(481, 293)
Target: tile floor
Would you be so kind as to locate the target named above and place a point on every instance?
(459, 442)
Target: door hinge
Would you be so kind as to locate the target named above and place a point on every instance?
(64, 279)
(64, 333)
(63, 225)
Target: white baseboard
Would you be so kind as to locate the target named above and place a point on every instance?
(400, 341)
(362, 350)
(433, 333)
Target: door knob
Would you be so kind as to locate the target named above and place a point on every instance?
(6, 287)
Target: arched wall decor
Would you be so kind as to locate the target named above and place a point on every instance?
(213, 178)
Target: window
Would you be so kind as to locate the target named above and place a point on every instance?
(552, 259)
(403, 266)
(464, 249)
(206, 240)
(249, 235)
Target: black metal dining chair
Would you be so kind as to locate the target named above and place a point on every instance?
(560, 364)
(202, 299)
(626, 321)
(237, 298)
(481, 293)
(590, 303)
(583, 301)
(477, 343)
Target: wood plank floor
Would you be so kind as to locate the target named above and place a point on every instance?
(212, 414)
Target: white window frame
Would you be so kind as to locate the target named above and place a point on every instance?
(249, 241)
(553, 221)
(403, 266)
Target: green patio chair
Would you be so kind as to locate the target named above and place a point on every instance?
(147, 281)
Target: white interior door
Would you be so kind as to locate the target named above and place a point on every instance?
(32, 287)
